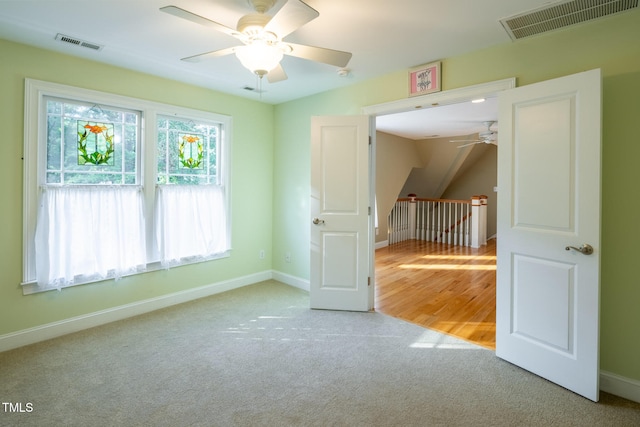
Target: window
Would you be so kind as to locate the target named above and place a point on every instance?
(107, 195)
(190, 219)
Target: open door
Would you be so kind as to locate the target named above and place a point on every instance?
(548, 280)
(340, 217)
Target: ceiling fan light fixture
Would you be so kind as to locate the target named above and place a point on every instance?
(259, 57)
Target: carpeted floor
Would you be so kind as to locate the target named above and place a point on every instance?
(258, 356)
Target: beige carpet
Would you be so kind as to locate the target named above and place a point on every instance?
(258, 356)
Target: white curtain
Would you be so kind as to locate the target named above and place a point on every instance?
(190, 223)
(89, 232)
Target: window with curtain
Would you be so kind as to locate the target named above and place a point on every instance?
(91, 222)
(107, 195)
(190, 203)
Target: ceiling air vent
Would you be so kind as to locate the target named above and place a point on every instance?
(78, 42)
(562, 14)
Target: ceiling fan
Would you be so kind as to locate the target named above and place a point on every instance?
(262, 37)
(486, 137)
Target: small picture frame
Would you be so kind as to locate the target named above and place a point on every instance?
(424, 79)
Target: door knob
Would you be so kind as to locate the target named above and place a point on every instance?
(585, 249)
(318, 221)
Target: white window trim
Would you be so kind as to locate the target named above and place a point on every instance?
(35, 122)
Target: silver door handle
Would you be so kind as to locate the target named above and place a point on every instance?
(318, 221)
(585, 249)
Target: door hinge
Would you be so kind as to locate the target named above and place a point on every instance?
(369, 210)
(369, 281)
(370, 140)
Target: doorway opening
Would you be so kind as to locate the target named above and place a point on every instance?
(443, 287)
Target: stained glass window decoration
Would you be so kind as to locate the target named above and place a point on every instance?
(188, 151)
(191, 151)
(95, 143)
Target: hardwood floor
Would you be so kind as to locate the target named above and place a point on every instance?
(450, 289)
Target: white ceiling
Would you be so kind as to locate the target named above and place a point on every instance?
(443, 121)
(384, 36)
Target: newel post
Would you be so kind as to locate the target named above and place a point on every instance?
(478, 221)
(483, 220)
(475, 221)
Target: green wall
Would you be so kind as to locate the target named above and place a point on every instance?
(612, 44)
(251, 187)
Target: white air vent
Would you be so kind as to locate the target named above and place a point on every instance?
(78, 42)
(563, 14)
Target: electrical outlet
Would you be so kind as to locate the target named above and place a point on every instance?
(261, 253)
(287, 257)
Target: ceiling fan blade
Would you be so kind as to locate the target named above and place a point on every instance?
(276, 75)
(474, 141)
(320, 54)
(208, 55)
(184, 14)
(293, 15)
(471, 143)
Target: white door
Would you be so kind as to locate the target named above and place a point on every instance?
(340, 220)
(549, 201)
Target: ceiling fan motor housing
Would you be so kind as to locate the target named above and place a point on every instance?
(253, 25)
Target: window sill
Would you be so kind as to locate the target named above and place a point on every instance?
(32, 287)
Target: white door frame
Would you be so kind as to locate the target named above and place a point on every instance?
(438, 99)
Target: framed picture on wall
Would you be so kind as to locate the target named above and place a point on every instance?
(424, 79)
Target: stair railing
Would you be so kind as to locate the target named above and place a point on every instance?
(455, 222)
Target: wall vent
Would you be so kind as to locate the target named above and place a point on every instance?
(78, 42)
(562, 14)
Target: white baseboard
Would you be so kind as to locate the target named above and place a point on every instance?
(287, 279)
(90, 320)
(620, 386)
(382, 244)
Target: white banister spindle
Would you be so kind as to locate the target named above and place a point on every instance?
(438, 221)
(423, 218)
(450, 223)
(429, 214)
(412, 220)
(405, 220)
(467, 225)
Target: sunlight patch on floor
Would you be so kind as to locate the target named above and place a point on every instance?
(461, 257)
(446, 267)
(430, 339)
